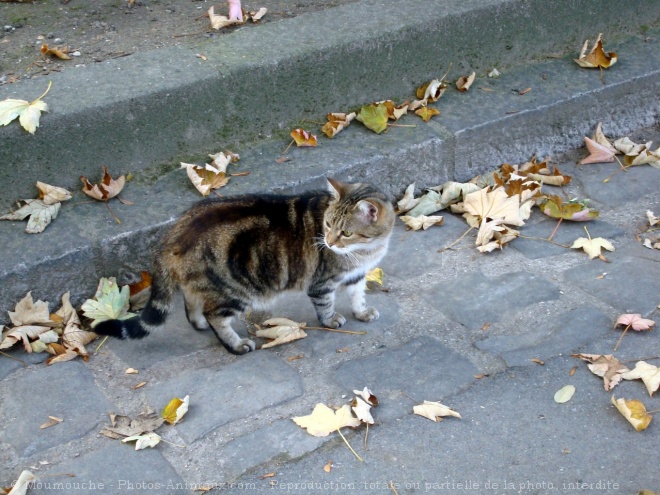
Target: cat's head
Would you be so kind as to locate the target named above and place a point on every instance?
(359, 217)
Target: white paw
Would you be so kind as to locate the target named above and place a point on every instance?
(369, 314)
(336, 321)
(245, 346)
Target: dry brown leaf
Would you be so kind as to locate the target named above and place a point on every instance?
(648, 373)
(123, 426)
(606, 366)
(73, 336)
(52, 194)
(60, 53)
(362, 410)
(328, 467)
(431, 91)
(281, 331)
(422, 221)
(598, 153)
(303, 138)
(464, 82)
(108, 187)
(30, 319)
(597, 57)
(205, 178)
(336, 123)
(139, 385)
(140, 291)
(131, 371)
(52, 421)
(408, 201)
(40, 213)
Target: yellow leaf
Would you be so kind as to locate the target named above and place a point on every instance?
(592, 246)
(324, 420)
(175, 410)
(374, 117)
(303, 138)
(434, 411)
(426, 113)
(634, 411)
(28, 113)
(109, 302)
(375, 275)
(55, 52)
(564, 394)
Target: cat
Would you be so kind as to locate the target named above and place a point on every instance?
(230, 254)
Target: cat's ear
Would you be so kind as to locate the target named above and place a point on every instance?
(336, 188)
(367, 210)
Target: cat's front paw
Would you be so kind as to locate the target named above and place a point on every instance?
(369, 314)
(244, 346)
(336, 321)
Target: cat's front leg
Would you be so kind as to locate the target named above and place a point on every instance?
(355, 288)
(323, 299)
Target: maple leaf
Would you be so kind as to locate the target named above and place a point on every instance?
(598, 153)
(464, 82)
(426, 113)
(143, 441)
(175, 410)
(628, 147)
(123, 426)
(222, 159)
(431, 91)
(73, 336)
(408, 201)
(362, 410)
(434, 411)
(303, 138)
(597, 57)
(486, 204)
(40, 213)
(646, 372)
(635, 321)
(28, 113)
(282, 330)
(109, 303)
(336, 123)
(645, 157)
(206, 178)
(374, 117)
(324, 420)
(108, 187)
(606, 366)
(575, 211)
(592, 246)
(421, 221)
(30, 320)
(52, 194)
(634, 411)
(60, 53)
(395, 112)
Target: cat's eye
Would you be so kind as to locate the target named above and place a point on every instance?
(347, 233)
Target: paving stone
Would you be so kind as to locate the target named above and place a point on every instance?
(281, 441)
(415, 253)
(176, 338)
(423, 369)
(566, 234)
(475, 299)
(632, 283)
(218, 396)
(562, 336)
(116, 468)
(8, 365)
(50, 391)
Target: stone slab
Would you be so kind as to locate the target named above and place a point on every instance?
(476, 299)
(115, 468)
(421, 369)
(566, 334)
(280, 441)
(566, 234)
(632, 283)
(50, 391)
(217, 396)
(9, 365)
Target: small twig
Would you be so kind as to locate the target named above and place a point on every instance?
(622, 169)
(544, 240)
(393, 489)
(408, 397)
(112, 213)
(585, 229)
(402, 125)
(456, 241)
(619, 341)
(287, 148)
(335, 330)
(174, 444)
(555, 229)
(652, 411)
(349, 445)
(96, 351)
(14, 358)
(366, 435)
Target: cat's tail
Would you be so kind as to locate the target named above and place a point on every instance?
(150, 318)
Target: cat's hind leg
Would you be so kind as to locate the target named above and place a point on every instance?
(355, 289)
(220, 321)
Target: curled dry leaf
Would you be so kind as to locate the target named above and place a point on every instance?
(434, 411)
(606, 366)
(648, 373)
(653, 220)
(362, 410)
(375, 276)
(221, 21)
(422, 221)
(324, 420)
(367, 395)
(22, 484)
(431, 91)
(52, 194)
(175, 410)
(28, 113)
(205, 178)
(54, 51)
(634, 321)
(222, 159)
(336, 123)
(634, 411)
(598, 153)
(281, 331)
(73, 337)
(123, 426)
(464, 82)
(597, 57)
(303, 138)
(628, 147)
(408, 201)
(108, 187)
(150, 439)
(395, 112)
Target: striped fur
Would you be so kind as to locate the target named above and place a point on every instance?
(229, 254)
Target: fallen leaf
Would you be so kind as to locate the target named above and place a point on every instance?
(635, 321)
(28, 113)
(597, 57)
(367, 395)
(175, 410)
(606, 366)
(422, 221)
(109, 303)
(150, 439)
(494, 73)
(408, 201)
(256, 15)
(20, 487)
(40, 213)
(324, 420)
(426, 113)
(564, 394)
(434, 411)
(140, 291)
(52, 194)
(575, 211)
(480, 376)
(73, 336)
(205, 178)
(634, 411)
(336, 123)
(598, 153)
(537, 361)
(375, 276)
(431, 91)
(60, 53)
(572, 371)
(108, 187)
(282, 330)
(524, 91)
(464, 82)
(592, 246)
(295, 358)
(131, 371)
(362, 410)
(123, 426)
(374, 117)
(30, 320)
(139, 385)
(52, 421)
(628, 147)
(328, 467)
(267, 475)
(486, 204)
(222, 159)
(394, 111)
(303, 138)
(648, 373)
(653, 220)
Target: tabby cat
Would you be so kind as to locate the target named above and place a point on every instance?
(229, 254)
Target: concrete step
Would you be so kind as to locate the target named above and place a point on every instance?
(137, 128)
